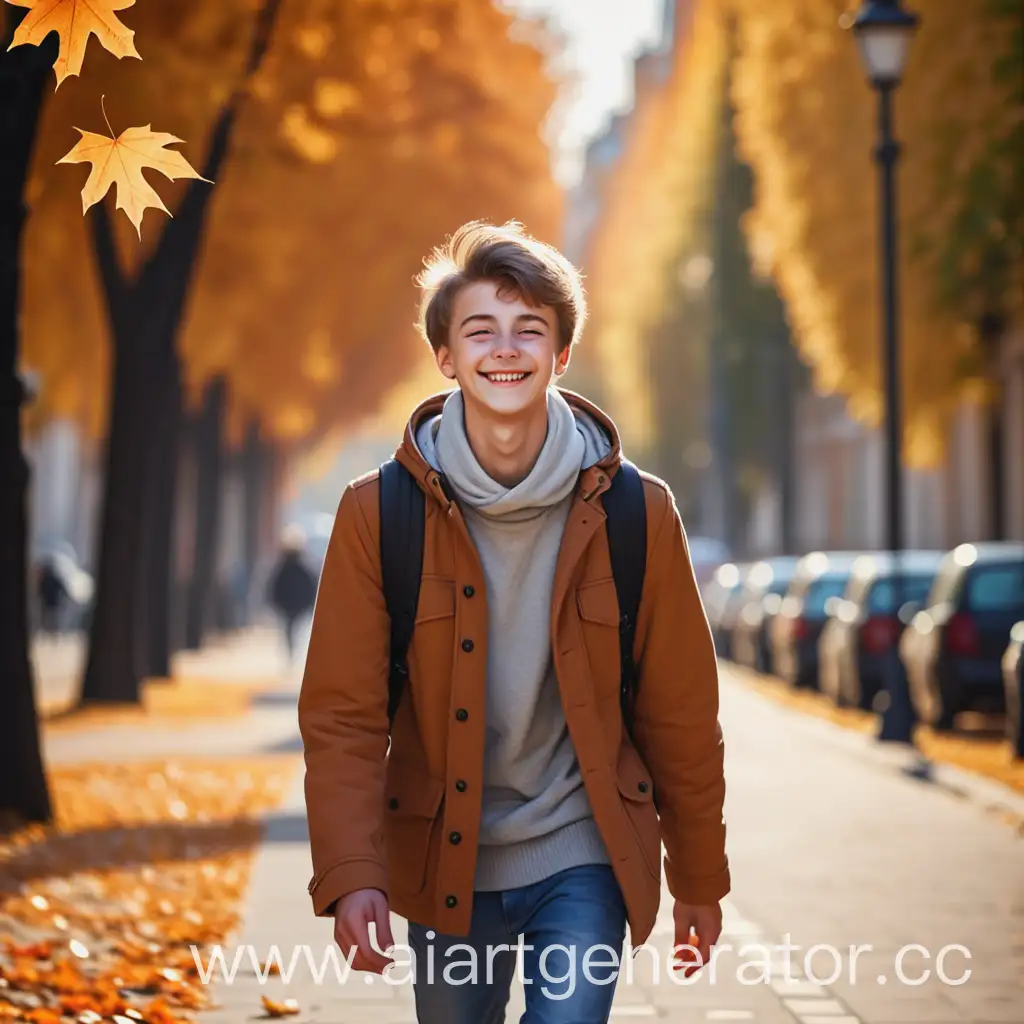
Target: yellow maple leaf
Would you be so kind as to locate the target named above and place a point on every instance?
(285, 1008)
(74, 21)
(121, 162)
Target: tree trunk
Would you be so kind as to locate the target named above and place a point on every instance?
(156, 582)
(23, 790)
(116, 650)
(254, 470)
(209, 455)
(145, 316)
(785, 465)
(991, 326)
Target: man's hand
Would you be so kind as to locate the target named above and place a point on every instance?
(352, 916)
(706, 922)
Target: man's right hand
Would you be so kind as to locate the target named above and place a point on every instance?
(352, 916)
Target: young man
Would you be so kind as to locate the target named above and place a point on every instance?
(513, 801)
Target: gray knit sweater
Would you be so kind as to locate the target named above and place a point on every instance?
(536, 817)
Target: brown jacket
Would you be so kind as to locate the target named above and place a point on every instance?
(406, 822)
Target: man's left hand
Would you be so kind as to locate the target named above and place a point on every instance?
(697, 926)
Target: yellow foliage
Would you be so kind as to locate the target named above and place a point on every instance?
(806, 123)
(650, 204)
(360, 144)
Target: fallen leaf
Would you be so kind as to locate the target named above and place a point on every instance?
(192, 890)
(42, 1016)
(285, 1008)
(121, 162)
(34, 951)
(74, 21)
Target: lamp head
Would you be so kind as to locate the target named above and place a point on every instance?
(883, 30)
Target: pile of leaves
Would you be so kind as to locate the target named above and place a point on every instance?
(160, 700)
(99, 913)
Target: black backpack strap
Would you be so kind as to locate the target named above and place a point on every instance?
(402, 515)
(626, 509)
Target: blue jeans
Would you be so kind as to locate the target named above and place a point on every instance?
(466, 980)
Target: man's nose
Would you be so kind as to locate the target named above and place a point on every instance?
(505, 346)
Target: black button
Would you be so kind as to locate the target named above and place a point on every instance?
(450, 901)
(393, 804)
(468, 591)
(462, 714)
(460, 785)
(455, 838)
(467, 646)
(642, 786)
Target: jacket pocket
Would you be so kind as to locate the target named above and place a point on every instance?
(412, 802)
(598, 606)
(436, 601)
(433, 640)
(637, 792)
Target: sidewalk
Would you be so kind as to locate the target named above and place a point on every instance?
(254, 657)
(249, 656)
(828, 846)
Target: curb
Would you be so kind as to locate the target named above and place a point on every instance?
(988, 794)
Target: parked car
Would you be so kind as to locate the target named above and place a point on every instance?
(1013, 684)
(818, 583)
(721, 597)
(766, 585)
(866, 624)
(954, 647)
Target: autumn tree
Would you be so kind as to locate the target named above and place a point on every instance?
(715, 358)
(806, 125)
(23, 74)
(359, 141)
(652, 214)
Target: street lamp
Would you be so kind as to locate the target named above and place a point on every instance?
(883, 31)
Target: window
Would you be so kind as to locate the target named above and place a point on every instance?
(882, 599)
(996, 588)
(820, 591)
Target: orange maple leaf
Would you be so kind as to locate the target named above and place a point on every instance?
(121, 162)
(286, 1008)
(74, 21)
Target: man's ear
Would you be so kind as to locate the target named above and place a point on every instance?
(562, 362)
(444, 361)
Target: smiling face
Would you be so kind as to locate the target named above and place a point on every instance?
(502, 351)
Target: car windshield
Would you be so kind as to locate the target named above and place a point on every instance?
(996, 588)
(819, 592)
(882, 598)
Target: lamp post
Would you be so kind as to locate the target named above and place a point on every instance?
(883, 31)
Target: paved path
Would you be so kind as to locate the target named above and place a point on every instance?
(829, 845)
(255, 656)
(252, 655)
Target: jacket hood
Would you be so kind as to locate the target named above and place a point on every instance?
(593, 478)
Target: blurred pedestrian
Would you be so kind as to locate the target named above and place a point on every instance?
(292, 587)
(52, 593)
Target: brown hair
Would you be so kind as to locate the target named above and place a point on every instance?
(520, 264)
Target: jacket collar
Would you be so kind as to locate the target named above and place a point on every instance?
(593, 481)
